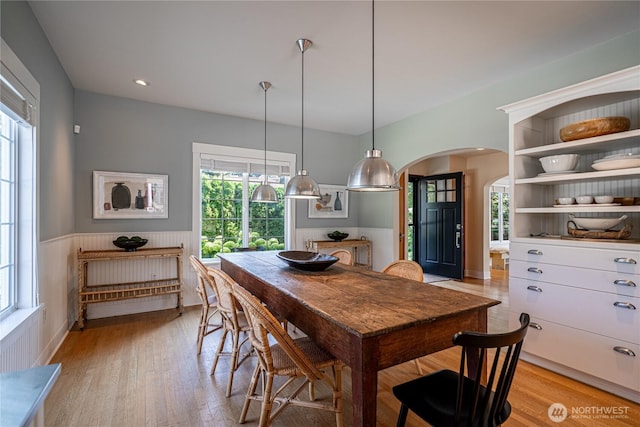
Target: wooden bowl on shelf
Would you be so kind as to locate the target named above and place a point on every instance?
(594, 127)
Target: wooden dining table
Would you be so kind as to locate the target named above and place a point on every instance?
(369, 320)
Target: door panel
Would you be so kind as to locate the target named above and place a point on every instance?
(439, 239)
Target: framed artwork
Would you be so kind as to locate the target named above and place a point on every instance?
(121, 195)
(334, 202)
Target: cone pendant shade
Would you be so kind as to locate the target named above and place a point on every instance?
(302, 186)
(265, 193)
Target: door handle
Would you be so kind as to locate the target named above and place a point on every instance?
(457, 240)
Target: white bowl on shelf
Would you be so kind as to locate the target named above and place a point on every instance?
(566, 200)
(584, 200)
(559, 163)
(603, 199)
(597, 224)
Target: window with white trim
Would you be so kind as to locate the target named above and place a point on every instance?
(499, 223)
(19, 94)
(227, 220)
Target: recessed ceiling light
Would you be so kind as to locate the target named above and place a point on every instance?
(141, 82)
(480, 149)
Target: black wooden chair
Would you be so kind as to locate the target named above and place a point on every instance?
(447, 398)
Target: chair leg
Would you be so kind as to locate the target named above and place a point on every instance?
(267, 404)
(250, 392)
(337, 394)
(402, 416)
(223, 338)
(312, 392)
(202, 328)
(418, 366)
(234, 359)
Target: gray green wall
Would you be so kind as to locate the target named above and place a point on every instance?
(474, 121)
(57, 204)
(119, 134)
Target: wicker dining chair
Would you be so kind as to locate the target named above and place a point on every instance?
(344, 256)
(209, 302)
(409, 270)
(293, 358)
(234, 324)
(405, 268)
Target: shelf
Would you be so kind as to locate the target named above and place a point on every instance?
(97, 293)
(580, 209)
(581, 176)
(614, 141)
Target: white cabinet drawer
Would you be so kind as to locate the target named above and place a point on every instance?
(605, 314)
(598, 259)
(594, 354)
(598, 280)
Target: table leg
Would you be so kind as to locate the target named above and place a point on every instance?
(364, 391)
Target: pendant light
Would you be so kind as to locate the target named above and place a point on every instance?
(302, 186)
(373, 173)
(264, 193)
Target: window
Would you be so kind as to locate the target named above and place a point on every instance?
(8, 141)
(19, 93)
(499, 212)
(227, 219)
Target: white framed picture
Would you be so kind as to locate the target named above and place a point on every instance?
(334, 202)
(122, 195)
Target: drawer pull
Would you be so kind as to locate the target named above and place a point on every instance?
(625, 261)
(622, 282)
(534, 252)
(623, 350)
(534, 288)
(537, 326)
(626, 305)
(534, 270)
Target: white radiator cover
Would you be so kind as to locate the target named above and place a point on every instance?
(20, 348)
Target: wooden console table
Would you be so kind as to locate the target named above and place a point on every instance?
(88, 294)
(353, 245)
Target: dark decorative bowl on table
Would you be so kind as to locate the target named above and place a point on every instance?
(130, 244)
(308, 261)
(338, 236)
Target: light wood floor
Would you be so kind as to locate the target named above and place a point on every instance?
(142, 370)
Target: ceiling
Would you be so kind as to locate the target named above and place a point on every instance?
(211, 55)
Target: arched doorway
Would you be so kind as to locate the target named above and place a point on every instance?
(480, 168)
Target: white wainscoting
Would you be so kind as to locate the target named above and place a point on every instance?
(57, 291)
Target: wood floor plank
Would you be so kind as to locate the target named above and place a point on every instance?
(142, 370)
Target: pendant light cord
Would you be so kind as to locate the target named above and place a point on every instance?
(302, 109)
(373, 75)
(265, 136)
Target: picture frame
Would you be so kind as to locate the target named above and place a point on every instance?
(123, 195)
(333, 204)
